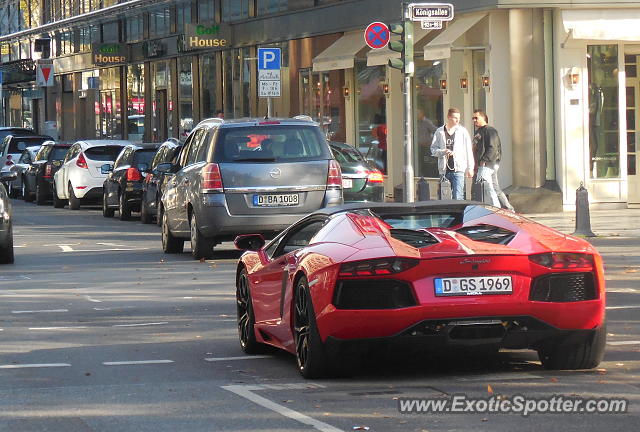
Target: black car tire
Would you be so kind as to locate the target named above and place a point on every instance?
(201, 246)
(74, 202)
(40, 196)
(6, 251)
(57, 202)
(246, 318)
(170, 244)
(311, 355)
(587, 354)
(145, 217)
(26, 195)
(124, 209)
(106, 211)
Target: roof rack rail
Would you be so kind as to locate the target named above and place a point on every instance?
(303, 117)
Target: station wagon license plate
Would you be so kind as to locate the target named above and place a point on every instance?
(347, 183)
(276, 200)
(477, 285)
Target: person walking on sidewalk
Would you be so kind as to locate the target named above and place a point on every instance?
(452, 146)
(487, 152)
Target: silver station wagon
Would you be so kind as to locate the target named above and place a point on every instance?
(246, 176)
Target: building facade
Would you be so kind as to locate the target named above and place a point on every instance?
(558, 81)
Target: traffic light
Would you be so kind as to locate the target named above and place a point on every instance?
(404, 46)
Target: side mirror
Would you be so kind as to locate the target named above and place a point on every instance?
(7, 176)
(249, 242)
(143, 167)
(106, 168)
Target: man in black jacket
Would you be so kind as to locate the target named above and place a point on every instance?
(487, 152)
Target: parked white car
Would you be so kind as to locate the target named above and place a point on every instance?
(79, 177)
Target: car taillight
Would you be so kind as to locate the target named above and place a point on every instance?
(563, 260)
(377, 267)
(211, 178)
(375, 176)
(82, 162)
(133, 174)
(334, 179)
(9, 162)
(47, 171)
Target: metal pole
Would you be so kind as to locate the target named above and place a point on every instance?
(409, 189)
(269, 107)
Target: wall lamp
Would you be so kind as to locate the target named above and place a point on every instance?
(573, 77)
(443, 84)
(385, 88)
(486, 83)
(464, 82)
(346, 92)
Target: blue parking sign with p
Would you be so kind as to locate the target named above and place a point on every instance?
(268, 58)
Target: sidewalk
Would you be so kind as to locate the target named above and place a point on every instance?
(604, 223)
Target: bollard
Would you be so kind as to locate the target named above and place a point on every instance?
(423, 190)
(398, 193)
(583, 222)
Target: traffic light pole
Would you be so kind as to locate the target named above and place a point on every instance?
(409, 187)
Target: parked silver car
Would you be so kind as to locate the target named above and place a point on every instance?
(6, 227)
(246, 176)
(20, 167)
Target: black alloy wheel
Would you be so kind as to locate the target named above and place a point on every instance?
(310, 351)
(124, 209)
(246, 319)
(170, 244)
(74, 202)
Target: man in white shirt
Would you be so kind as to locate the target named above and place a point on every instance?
(452, 146)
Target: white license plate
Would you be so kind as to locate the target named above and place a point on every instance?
(477, 285)
(347, 183)
(276, 200)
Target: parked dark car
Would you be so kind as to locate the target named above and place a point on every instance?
(155, 181)
(6, 227)
(20, 167)
(122, 189)
(38, 178)
(247, 175)
(11, 149)
(13, 130)
(361, 180)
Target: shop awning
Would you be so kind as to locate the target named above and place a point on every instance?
(440, 47)
(602, 24)
(341, 54)
(379, 57)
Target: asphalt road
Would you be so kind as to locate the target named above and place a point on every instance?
(101, 331)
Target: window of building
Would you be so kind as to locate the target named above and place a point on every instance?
(604, 136)
(322, 99)
(183, 16)
(237, 65)
(109, 114)
(135, 102)
(271, 6)
(111, 32)
(185, 95)
(162, 108)
(428, 115)
(209, 83)
(134, 28)
(206, 11)
(234, 10)
(87, 36)
(371, 112)
(159, 22)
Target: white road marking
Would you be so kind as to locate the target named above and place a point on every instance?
(34, 365)
(40, 311)
(622, 290)
(623, 307)
(101, 250)
(623, 343)
(66, 248)
(220, 359)
(500, 377)
(246, 391)
(62, 244)
(13, 278)
(93, 300)
(112, 308)
(57, 328)
(139, 362)
(141, 324)
(111, 244)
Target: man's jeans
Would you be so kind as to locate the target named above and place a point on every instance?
(457, 184)
(488, 175)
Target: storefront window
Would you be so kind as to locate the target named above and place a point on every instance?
(162, 105)
(322, 100)
(371, 105)
(237, 82)
(185, 96)
(209, 85)
(109, 109)
(135, 102)
(604, 148)
(428, 115)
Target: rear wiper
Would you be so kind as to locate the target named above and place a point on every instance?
(255, 160)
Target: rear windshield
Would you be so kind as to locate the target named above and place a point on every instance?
(416, 221)
(346, 155)
(103, 153)
(15, 144)
(271, 143)
(143, 156)
(59, 153)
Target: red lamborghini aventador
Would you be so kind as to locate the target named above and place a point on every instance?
(437, 274)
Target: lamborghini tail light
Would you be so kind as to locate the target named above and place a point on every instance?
(561, 260)
(376, 267)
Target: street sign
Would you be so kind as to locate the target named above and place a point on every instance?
(430, 11)
(269, 64)
(377, 35)
(268, 58)
(430, 25)
(44, 74)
